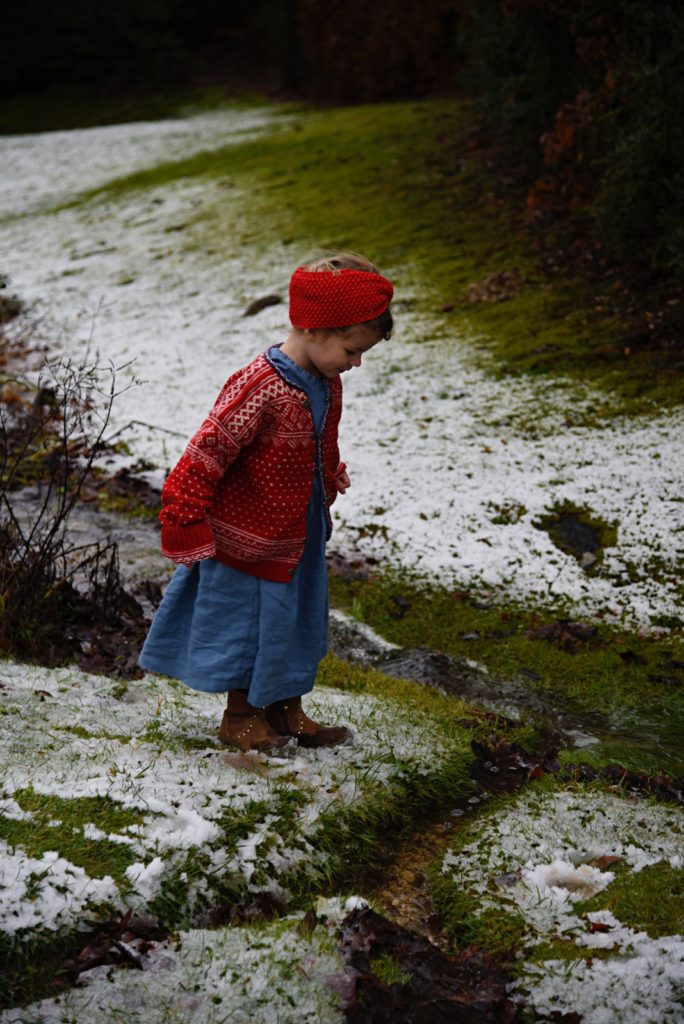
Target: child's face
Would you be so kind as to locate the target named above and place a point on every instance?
(332, 353)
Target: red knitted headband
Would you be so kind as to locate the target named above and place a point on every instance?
(327, 298)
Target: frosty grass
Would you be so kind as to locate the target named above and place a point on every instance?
(155, 752)
(534, 858)
(250, 975)
(451, 469)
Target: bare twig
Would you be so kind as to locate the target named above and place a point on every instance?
(61, 435)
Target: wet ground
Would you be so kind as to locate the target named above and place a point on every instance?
(402, 893)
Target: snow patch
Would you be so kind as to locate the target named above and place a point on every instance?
(645, 987)
(535, 857)
(262, 975)
(439, 452)
(47, 892)
(158, 756)
(562, 881)
(146, 879)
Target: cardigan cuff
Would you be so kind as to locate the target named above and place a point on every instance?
(189, 543)
(340, 470)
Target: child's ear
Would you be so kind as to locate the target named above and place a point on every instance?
(317, 333)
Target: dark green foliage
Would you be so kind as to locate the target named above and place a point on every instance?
(588, 95)
(359, 52)
(602, 85)
(118, 45)
(522, 63)
(639, 140)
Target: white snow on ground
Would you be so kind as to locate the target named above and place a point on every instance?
(538, 851)
(258, 975)
(645, 986)
(536, 858)
(450, 468)
(51, 167)
(154, 752)
(33, 891)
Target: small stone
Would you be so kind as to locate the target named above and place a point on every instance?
(262, 303)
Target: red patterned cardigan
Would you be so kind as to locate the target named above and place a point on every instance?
(241, 490)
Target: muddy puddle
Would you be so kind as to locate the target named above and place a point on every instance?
(403, 894)
(512, 698)
(144, 571)
(355, 641)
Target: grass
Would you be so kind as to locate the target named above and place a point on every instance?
(389, 971)
(499, 934)
(348, 843)
(57, 823)
(409, 184)
(617, 680)
(358, 841)
(650, 900)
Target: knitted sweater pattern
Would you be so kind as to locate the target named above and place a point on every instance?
(241, 490)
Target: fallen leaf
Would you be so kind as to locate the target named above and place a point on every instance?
(604, 862)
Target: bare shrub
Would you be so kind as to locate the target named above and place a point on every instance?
(51, 435)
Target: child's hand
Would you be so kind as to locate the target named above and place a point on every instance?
(342, 482)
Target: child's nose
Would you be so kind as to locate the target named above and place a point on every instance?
(356, 360)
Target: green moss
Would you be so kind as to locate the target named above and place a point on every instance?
(654, 753)
(564, 949)
(97, 857)
(126, 504)
(389, 971)
(617, 680)
(405, 183)
(650, 900)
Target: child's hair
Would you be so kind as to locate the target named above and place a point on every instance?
(337, 261)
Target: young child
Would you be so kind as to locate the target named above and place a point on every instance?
(245, 513)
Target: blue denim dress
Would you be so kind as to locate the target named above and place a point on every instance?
(219, 629)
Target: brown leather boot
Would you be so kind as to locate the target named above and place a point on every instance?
(287, 718)
(246, 727)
